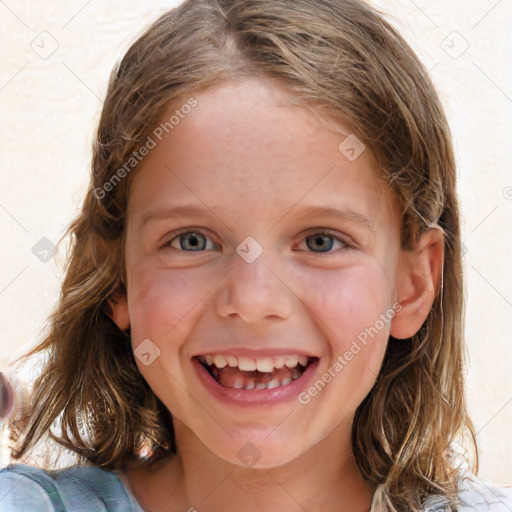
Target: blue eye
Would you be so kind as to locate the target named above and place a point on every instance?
(196, 241)
(189, 241)
(323, 241)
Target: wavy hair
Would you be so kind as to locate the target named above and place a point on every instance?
(344, 58)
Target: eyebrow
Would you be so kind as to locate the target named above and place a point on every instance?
(308, 211)
(337, 212)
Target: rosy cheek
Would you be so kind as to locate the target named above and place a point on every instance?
(158, 301)
(348, 303)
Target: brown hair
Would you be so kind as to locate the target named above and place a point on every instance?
(344, 58)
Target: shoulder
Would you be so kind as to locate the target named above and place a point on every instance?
(25, 488)
(475, 495)
(478, 495)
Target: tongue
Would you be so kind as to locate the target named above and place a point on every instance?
(227, 376)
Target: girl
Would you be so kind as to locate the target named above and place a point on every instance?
(305, 350)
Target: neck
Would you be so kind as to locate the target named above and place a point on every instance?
(325, 478)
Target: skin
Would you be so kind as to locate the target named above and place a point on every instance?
(252, 158)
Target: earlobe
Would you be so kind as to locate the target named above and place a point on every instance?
(118, 308)
(418, 281)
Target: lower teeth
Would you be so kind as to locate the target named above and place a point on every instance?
(252, 382)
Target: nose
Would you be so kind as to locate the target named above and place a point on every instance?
(255, 291)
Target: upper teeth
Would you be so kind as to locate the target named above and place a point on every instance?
(248, 364)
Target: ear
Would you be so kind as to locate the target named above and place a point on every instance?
(419, 279)
(118, 308)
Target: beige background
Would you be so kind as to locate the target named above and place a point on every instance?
(51, 103)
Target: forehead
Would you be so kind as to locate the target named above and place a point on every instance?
(252, 148)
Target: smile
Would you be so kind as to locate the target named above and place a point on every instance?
(254, 373)
(254, 380)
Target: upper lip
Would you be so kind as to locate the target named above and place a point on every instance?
(256, 353)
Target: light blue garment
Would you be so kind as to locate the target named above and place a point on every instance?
(25, 488)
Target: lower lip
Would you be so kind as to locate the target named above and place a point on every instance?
(236, 396)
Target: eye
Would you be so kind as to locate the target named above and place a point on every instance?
(188, 241)
(324, 242)
(196, 241)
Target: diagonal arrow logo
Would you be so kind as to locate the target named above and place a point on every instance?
(146, 352)
(44, 249)
(351, 147)
(249, 454)
(249, 249)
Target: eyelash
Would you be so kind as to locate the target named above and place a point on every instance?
(176, 234)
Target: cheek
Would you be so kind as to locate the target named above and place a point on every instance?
(350, 305)
(159, 300)
(161, 304)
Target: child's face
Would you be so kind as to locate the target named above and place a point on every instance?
(253, 166)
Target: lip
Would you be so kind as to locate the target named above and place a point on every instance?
(252, 397)
(242, 352)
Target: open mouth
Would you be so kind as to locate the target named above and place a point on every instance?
(255, 373)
